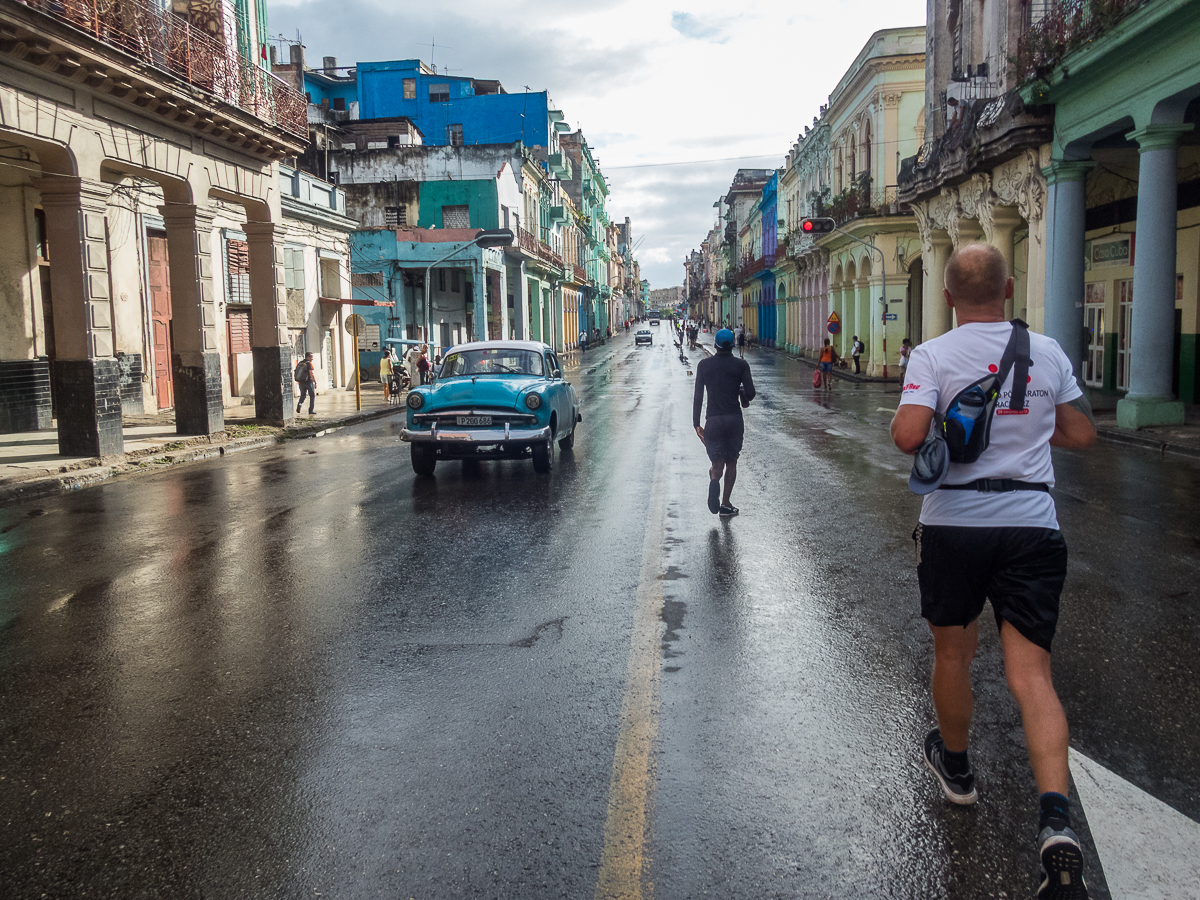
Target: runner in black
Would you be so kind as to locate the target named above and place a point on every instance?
(730, 387)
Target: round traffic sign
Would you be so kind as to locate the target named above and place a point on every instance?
(355, 323)
(835, 327)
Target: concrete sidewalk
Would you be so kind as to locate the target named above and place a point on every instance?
(30, 465)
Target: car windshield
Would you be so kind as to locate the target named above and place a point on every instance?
(493, 361)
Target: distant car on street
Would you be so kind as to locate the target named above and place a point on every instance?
(493, 400)
(644, 336)
(654, 321)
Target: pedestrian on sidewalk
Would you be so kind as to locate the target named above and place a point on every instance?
(856, 350)
(741, 341)
(825, 363)
(306, 377)
(423, 364)
(385, 375)
(412, 361)
(906, 349)
(730, 388)
(991, 531)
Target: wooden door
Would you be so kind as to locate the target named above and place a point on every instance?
(159, 278)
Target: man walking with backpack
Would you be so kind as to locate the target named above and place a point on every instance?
(989, 531)
(730, 387)
(306, 377)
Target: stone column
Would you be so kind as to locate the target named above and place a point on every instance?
(273, 393)
(864, 317)
(1066, 206)
(1005, 220)
(85, 369)
(1150, 400)
(197, 357)
(934, 311)
(522, 304)
(480, 313)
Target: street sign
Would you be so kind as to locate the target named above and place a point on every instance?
(835, 323)
(892, 317)
(355, 324)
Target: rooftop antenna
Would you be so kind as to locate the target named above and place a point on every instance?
(432, 45)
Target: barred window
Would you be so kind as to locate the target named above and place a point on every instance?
(366, 279)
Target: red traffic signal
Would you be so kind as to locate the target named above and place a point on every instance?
(817, 226)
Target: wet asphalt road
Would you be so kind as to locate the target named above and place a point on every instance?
(305, 672)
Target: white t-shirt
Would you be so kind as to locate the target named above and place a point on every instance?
(1020, 443)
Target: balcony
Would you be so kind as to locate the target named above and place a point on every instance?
(158, 38)
(559, 165)
(580, 274)
(1063, 28)
(864, 201)
(527, 242)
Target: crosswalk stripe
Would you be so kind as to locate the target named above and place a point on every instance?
(1148, 850)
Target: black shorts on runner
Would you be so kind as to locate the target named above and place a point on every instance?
(723, 437)
(1020, 570)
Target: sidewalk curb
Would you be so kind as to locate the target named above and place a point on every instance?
(1146, 443)
(48, 485)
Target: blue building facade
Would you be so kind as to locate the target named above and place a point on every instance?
(447, 109)
(768, 320)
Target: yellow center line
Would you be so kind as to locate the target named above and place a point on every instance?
(624, 860)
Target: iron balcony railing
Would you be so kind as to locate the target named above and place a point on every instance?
(1063, 27)
(162, 39)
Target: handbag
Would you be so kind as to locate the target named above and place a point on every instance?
(816, 377)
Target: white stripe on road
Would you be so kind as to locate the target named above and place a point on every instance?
(1148, 850)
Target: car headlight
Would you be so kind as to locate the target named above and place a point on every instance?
(415, 400)
(533, 401)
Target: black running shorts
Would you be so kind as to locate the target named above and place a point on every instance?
(1020, 570)
(723, 437)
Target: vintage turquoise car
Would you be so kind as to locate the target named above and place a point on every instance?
(493, 400)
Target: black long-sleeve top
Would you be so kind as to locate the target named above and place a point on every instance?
(722, 374)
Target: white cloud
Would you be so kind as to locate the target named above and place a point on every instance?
(647, 82)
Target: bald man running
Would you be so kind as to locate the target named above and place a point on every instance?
(990, 532)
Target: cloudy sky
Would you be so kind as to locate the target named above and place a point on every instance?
(673, 97)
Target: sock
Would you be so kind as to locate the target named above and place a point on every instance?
(956, 763)
(1056, 811)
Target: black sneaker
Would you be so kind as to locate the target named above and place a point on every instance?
(727, 512)
(714, 496)
(1062, 865)
(959, 789)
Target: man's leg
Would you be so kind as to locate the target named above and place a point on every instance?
(1027, 668)
(730, 478)
(953, 650)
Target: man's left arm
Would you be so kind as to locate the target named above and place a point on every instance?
(698, 401)
(747, 382)
(1074, 427)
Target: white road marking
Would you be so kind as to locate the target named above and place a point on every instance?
(1148, 850)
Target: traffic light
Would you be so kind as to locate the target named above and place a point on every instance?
(817, 226)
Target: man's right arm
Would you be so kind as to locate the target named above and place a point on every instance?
(1073, 427)
(747, 382)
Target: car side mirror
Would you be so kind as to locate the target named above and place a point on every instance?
(558, 373)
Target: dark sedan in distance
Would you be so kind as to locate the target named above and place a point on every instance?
(644, 336)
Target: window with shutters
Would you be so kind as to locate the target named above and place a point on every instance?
(395, 216)
(239, 331)
(456, 217)
(331, 279)
(237, 256)
(366, 279)
(439, 93)
(454, 134)
(410, 89)
(293, 268)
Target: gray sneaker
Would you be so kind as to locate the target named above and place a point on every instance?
(727, 512)
(1062, 865)
(958, 789)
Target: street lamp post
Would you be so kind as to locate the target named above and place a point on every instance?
(495, 237)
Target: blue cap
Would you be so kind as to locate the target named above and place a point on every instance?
(724, 339)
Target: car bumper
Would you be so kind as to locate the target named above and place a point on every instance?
(451, 436)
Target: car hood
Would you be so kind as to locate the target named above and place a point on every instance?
(481, 390)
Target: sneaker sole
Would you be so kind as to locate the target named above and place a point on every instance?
(960, 799)
(1062, 858)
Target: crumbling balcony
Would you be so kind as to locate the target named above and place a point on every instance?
(154, 37)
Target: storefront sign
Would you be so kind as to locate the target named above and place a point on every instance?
(1117, 250)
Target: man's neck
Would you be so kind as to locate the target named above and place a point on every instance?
(967, 315)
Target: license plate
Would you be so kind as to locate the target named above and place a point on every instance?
(473, 420)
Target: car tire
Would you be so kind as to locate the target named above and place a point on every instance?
(568, 443)
(424, 459)
(543, 458)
